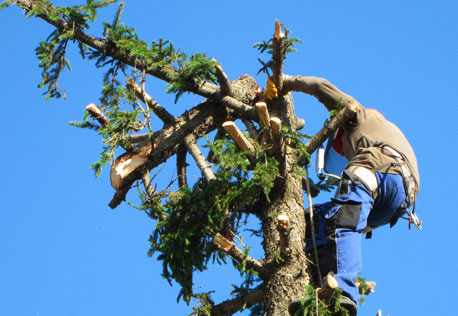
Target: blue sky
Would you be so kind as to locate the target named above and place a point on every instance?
(64, 252)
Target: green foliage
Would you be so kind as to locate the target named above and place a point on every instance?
(298, 141)
(205, 305)
(310, 304)
(85, 123)
(184, 239)
(5, 4)
(52, 52)
(325, 186)
(267, 47)
(116, 134)
(337, 109)
(191, 74)
(363, 288)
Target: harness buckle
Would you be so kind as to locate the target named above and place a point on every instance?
(413, 218)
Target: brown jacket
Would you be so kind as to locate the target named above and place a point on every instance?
(363, 131)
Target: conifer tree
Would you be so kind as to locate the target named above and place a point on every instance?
(259, 171)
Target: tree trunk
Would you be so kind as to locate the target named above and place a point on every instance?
(288, 274)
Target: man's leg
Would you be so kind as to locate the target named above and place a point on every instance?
(340, 224)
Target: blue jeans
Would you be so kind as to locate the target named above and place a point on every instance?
(338, 226)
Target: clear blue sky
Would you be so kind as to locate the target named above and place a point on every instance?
(64, 252)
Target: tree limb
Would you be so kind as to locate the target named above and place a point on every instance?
(161, 112)
(238, 255)
(96, 113)
(164, 72)
(234, 305)
(181, 167)
(199, 158)
(344, 115)
(223, 80)
(198, 121)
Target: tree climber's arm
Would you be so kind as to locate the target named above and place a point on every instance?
(320, 88)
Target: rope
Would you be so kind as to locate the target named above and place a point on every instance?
(312, 225)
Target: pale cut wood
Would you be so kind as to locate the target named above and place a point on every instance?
(97, 114)
(127, 163)
(369, 290)
(263, 114)
(283, 220)
(278, 33)
(330, 284)
(283, 231)
(275, 123)
(223, 243)
(238, 137)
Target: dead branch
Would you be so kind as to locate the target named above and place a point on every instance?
(148, 185)
(223, 80)
(241, 108)
(161, 112)
(199, 158)
(197, 122)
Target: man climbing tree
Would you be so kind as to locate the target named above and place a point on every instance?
(379, 184)
(258, 173)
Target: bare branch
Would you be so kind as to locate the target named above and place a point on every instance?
(195, 152)
(198, 121)
(241, 108)
(147, 184)
(251, 128)
(161, 112)
(232, 306)
(223, 80)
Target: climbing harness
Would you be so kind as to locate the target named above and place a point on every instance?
(410, 188)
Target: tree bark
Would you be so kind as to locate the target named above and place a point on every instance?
(289, 275)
